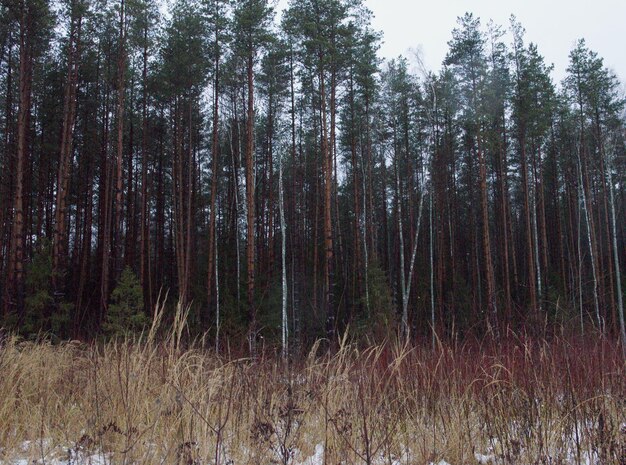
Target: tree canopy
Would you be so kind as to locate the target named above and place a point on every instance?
(273, 174)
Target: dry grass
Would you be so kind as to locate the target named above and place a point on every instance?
(143, 402)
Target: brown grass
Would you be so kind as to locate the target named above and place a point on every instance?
(148, 402)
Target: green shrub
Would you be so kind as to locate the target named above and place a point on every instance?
(38, 300)
(42, 312)
(379, 318)
(125, 314)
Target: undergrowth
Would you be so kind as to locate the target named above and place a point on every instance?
(156, 400)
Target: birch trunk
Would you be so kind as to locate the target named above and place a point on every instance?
(405, 314)
(432, 274)
(536, 235)
(283, 248)
(405, 281)
(250, 206)
(618, 275)
(217, 300)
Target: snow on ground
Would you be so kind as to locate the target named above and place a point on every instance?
(317, 458)
(44, 453)
(485, 459)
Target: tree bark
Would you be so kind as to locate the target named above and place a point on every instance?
(215, 176)
(145, 267)
(532, 280)
(59, 251)
(119, 171)
(250, 200)
(484, 205)
(14, 292)
(329, 277)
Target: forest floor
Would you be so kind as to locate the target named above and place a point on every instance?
(557, 402)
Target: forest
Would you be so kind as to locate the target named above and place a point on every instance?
(269, 174)
(232, 233)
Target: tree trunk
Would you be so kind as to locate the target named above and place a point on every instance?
(145, 266)
(356, 263)
(250, 197)
(119, 172)
(329, 277)
(590, 240)
(491, 292)
(505, 220)
(14, 292)
(215, 179)
(283, 248)
(189, 211)
(616, 262)
(8, 162)
(59, 251)
(104, 206)
(532, 280)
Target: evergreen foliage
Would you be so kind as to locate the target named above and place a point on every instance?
(140, 155)
(125, 315)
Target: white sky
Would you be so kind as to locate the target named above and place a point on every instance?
(554, 25)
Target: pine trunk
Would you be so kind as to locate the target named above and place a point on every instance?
(14, 292)
(119, 171)
(59, 251)
(329, 277)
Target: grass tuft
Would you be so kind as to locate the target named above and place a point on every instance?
(145, 402)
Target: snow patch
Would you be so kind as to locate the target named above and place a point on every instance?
(485, 459)
(73, 459)
(317, 458)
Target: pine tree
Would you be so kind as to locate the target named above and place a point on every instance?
(466, 56)
(251, 21)
(35, 20)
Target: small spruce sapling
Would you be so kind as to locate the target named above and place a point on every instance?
(125, 314)
(41, 312)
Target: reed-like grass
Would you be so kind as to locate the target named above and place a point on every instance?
(146, 402)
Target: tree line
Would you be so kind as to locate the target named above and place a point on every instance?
(273, 175)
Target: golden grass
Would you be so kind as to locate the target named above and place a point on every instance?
(148, 402)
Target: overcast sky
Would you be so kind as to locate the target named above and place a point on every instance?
(554, 25)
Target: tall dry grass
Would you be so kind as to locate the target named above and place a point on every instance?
(151, 402)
